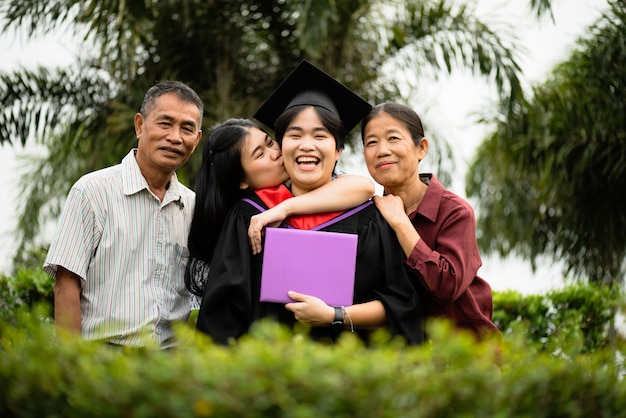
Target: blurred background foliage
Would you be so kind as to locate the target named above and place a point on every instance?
(549, 180)
(233, 54)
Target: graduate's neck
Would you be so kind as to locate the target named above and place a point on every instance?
(298, 189)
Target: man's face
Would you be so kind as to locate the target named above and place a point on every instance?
(168, 134)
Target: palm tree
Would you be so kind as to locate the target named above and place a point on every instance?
(550, 179)
(232, 53)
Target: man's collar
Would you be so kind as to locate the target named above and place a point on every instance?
(134, 181)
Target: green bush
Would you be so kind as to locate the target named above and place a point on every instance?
(274, 373)
(28, 287)
(511, 310)
(572, 319)
(575, 318)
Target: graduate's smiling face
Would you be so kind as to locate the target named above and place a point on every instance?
(262, 161)
(309, 152)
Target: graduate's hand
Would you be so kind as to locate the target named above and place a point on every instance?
(310, 310)
(271, 217)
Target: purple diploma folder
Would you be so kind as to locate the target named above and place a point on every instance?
(316, 263)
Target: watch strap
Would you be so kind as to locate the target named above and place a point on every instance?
(338, 316)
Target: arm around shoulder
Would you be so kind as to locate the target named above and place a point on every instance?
(345, 192)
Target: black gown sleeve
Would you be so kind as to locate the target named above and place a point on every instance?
(227, 302)
(381, 275)
(405, 315)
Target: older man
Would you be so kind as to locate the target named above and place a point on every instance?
(118, 256)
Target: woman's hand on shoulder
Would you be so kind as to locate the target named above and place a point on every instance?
(391, 207)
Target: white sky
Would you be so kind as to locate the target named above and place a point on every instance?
(451, 105)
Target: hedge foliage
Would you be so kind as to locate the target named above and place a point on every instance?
(576, 318)
(555, 361)
(28, 287)
(275, 373)
(579, 317)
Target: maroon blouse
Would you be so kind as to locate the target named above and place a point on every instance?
(446, 260)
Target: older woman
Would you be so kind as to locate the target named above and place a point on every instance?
(435, 227)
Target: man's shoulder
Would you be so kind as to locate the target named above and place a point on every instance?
(101, 177)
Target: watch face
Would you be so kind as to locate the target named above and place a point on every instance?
(336, 327)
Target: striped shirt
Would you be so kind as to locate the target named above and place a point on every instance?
(130, 250)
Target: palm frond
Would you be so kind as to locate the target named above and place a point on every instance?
(441, 36)
(232, 53)
(37, 103)
(547, 178)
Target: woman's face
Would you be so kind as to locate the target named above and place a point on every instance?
(391, 156)
(309, 151)
(262, 161)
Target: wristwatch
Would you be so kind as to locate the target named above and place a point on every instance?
(338, 324)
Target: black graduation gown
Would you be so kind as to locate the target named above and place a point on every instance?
(230, 303)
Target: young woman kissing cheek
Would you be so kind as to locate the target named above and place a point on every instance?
(262, 161)
(309, 152)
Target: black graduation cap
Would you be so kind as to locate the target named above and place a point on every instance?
(307, 85)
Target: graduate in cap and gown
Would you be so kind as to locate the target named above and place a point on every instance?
(311, 114)
(239, 157)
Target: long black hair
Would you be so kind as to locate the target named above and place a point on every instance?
(217, 190)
